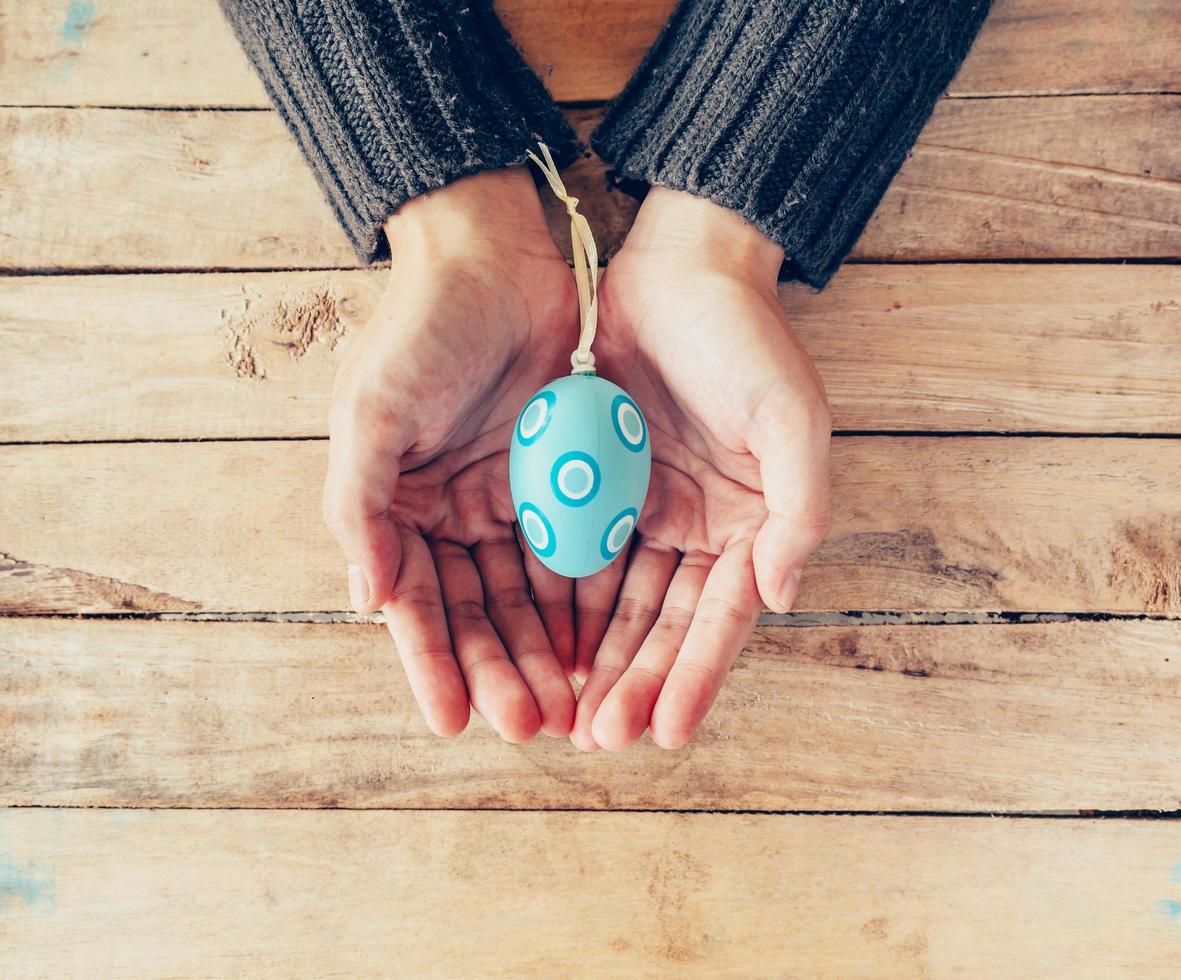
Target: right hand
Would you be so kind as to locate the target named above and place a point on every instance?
(478, 313)
(691, 327)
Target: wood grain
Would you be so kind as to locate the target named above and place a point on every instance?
(919, 524)
(1049, 47)
(183, 893)
(944, 348)
(145, 53)
(994, 179)
(142, 712)
(1038, 178)
(973, 718)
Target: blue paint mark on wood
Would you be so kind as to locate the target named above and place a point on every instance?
(1170, 909)
(80, 18)
(1176, 875)
(23, 884)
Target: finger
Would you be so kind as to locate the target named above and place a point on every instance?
(553, 595)
(414, 616)
(594, 603)
(511, 610)
(363, 463)
(792, 449)
(493, 683)
(722, 624)
(626, 710)
(645, 583)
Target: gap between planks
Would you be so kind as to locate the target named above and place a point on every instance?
(569, 105)
(791, 620)
(1063, 815)
(836, 434)
(48, 272)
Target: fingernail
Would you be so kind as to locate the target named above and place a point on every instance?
(358, 587)
(790, 588)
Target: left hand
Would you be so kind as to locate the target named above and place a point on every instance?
(476, 316)
(691, 326)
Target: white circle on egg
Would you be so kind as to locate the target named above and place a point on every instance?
(535, 417)
(534, 530)
(537, 530)
(617, 533)
(629, 423)
(575, 478)
(532, 418)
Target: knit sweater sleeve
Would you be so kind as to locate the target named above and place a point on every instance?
(794, 113)
(392, 98)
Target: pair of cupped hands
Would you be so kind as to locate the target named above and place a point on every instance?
(479, 312)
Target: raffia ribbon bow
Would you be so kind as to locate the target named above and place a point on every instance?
(586, 264)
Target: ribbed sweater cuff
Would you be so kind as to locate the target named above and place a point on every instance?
(794, 113)
(390, 99)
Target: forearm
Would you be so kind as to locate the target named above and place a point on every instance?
(679, 227)
(390, 99)
(794, 114)
(495, 210)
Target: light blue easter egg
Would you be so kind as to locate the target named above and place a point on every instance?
(578, 466)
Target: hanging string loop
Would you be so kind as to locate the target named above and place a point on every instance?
(586, 264)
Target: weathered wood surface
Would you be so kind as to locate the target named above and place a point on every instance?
(967, 718)
(942, 348)
(144, 53)
(989, 179)
(963, 718)
(1047, 47)
(1040, 178)
(919, 524)
(181, 893)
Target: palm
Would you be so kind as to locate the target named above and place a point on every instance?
(705, 489)
(720, 377)
(455, 351)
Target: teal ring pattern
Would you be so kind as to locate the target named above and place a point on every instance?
(550, 544)
(555, 475)
(619, 402)
(547, 398)
(605, 543)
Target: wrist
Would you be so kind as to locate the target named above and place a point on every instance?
(694, 229)
(492, 212)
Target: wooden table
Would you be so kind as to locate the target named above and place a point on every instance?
(960, 757)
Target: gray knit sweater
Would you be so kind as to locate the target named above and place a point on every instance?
(794, 113)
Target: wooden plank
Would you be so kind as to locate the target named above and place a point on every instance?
(1034, 717)
(1047, 47)
(919, 524)
(997, 347)
(144, 53)
(170, 189)
(944, 348)
(993, 178)
(175, 356)
(1037, 178)
(184, 893)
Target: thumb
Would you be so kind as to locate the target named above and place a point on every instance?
(791, 446)
(363, 467)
